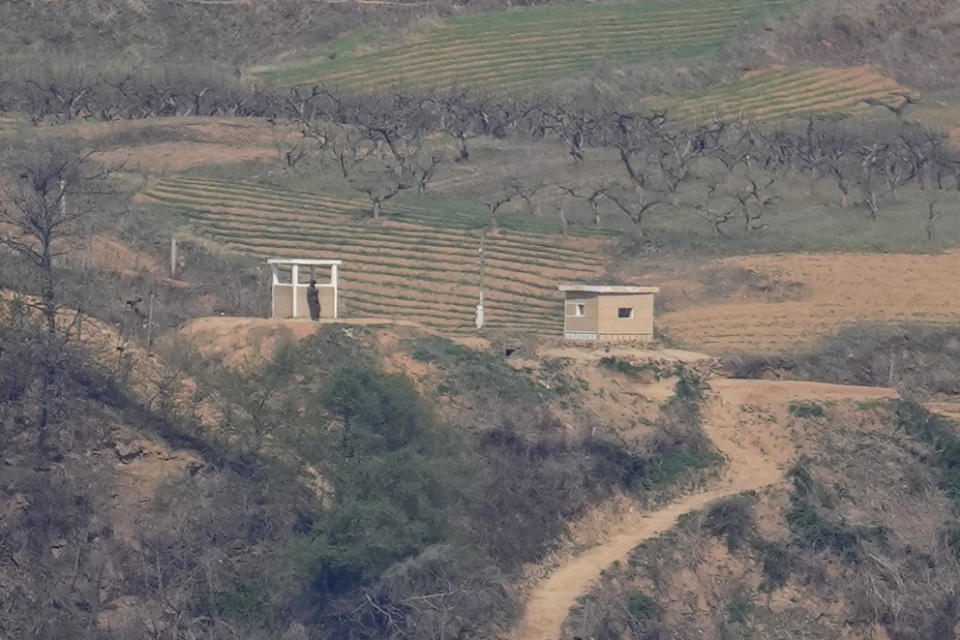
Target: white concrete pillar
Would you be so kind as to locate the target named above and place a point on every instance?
(296, 286)
(336, 290)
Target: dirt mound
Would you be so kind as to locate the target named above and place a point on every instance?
(249, 341)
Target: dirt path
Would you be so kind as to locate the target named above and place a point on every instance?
(756, 457)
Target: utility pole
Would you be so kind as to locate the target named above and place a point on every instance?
(478, 320)
(173, 257)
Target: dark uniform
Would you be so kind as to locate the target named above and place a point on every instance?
(313, 300)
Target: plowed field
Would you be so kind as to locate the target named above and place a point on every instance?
(840, 290)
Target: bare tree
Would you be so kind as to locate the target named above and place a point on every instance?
(44, 209)
(715, 215)
(897, 108)
(347, 146)
(593, 198)
(632, 202)
(931, 224)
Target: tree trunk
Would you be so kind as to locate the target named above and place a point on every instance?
(376, 209)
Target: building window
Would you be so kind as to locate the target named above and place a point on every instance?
(625, 312)
(576, 310)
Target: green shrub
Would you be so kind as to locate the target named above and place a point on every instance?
(777, 564)
(643, 607)
(731, 518)
(636, 370)
(941, 434)
(242, 602)
(806, 409)
(812, 524)
(740, 607)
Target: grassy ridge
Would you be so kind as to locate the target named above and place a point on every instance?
(514, 49)
(408, 266)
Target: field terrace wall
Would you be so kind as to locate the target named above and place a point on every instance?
(406, 266)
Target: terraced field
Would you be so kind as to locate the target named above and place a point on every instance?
(513, 50)
(775, 94)
(413, 265)
(840, 290)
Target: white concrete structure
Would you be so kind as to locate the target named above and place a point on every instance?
(290, 298)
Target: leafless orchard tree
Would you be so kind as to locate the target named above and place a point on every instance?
(47, 192)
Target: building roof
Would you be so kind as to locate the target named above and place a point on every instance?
(303, 261)
(607, 288)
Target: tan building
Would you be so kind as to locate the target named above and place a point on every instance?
(289, 299)
(608, 313)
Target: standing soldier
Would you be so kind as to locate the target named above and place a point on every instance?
(313, 300)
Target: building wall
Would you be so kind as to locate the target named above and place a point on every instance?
(587, 323)
(601, 320)
(611, 327)
(283, 302)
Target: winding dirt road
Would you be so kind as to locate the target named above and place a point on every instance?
(756, 453)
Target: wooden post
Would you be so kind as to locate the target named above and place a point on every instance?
(173, 257)
(150, 322)
(479, 317)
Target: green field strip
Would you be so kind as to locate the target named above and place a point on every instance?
(521, 22)
(335, 235)
(830, 101)
(510, 254)
(532, 74)
(734, 89)
(520, 254)
(356, 209)
(297, 196)
(819, 95)
(827, 100)
(473, 41)
(849, 107)
(524, 241)
(347, 207)
(548, 43)
(396, 213)
(557, 28)
(574, 56)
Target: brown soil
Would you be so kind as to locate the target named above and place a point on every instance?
(108, 253)
(838, 290)
(166, 157)
(249, 341)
